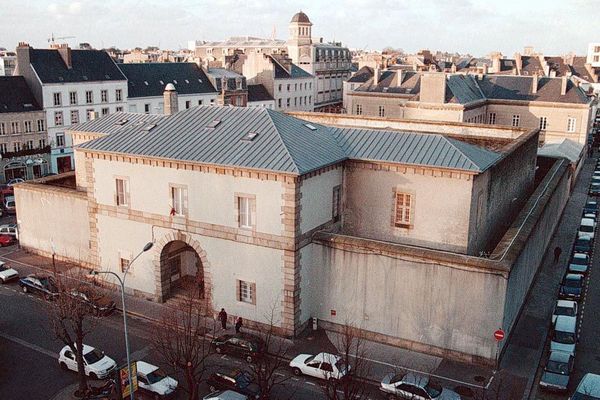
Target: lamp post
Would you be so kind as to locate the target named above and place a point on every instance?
(147, 247)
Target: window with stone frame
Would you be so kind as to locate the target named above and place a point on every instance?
(246, 210)
(336, 203)
(2, 128)
(124, 263)
(73, 98)
(57, 99)
(358, 109)
(516, 120)
(41, 125)
(104, 96)
(60, 139)
(3, 148)
(121, 192)
(58, 118)
(74, 117)
(15, 127)
(179, 200)
(89, 97)
(403, 209)
(571, 124)
(28, 126)
(246, 291)
(543, 123)
(119, 95)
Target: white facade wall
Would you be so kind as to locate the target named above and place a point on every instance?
(262, 104)
(156, 103)
(317, 198)
(300, 95)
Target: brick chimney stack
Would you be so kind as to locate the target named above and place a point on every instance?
(563, 85)
(23, 59)
(534, 83)
(65, 53)
(376, 75)
(496, 56)
(171, 105)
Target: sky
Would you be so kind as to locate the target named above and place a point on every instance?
(553, 27)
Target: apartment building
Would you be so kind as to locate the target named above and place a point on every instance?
(72, 86)
(231, 87)
(258, 96)
(559, 107)
(23, 136)
(146, 84)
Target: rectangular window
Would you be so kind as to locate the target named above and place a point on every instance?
(381, 111)
(147, 108)
(543, 123)
(178, 200)
(3, 148)
(280, 87)
(279, 103)
(16, 146)
(403, 203)
(42, 143)
(29, 145)
(60, 139)
(119, 95)
(358, 109)
(246, 292)
(199, 102)
(119, 109)
(122, 193)
(2, 128)
(104, 96)
(188, 104)
(336, 203)
(58, 118)
(245, 211)
(28, 126)
(15, 127)
(73, 98)
(288, 87)
(571, 124)
(89, 97)
(295, 101)
(105, 111)
(74, 117)
(41, 125)
(124, 264)
(57, 99)
(89, 113)
(516, 119)
(288, 102)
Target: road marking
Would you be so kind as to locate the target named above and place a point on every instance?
(278, 374)
(30, 346)
(310, 383)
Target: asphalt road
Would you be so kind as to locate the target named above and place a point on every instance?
(28, 351)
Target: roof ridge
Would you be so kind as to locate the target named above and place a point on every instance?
(285, 145)
(451, 142)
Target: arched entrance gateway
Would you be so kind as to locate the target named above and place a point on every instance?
(181, 264)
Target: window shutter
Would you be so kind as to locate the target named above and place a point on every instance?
(253, 292)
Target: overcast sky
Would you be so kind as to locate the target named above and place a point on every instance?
(551, 26)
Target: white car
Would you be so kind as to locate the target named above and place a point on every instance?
(225, 395)
(8, 229)
(579, 263)
(586, 228)
(153, 380)
(588, 388)
(14, 181)
(564, 337)
(322, 366)
(7, 273)
(97, 364)
(564, 307)
(415, 387)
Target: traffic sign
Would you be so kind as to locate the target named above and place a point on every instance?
(499, 335)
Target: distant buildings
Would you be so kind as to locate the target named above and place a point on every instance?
(23, 148)
(146, 83)
(258, 96)
(72, 86)
(8, 62)
(231, 87)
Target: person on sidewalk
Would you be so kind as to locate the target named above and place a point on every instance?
(238, 325)
(223, 318)
(557, 252)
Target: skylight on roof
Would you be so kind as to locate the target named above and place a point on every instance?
(27, 105)
(149, 127)
(186, 81)
(199, 80)
(249, 137)
(214, 123)
(121, 122)
(161, 82)
(107, 76)
(146, 83)
(175, 81)
(311, 127)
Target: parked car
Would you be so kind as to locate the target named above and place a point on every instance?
(591, 215)
(7, 273)
(415, 386)
(154, 381)
(14, 181)
(322, 365)
(97, 365)
(583, 245)
(564, 336)
(7, 240)
(579, 263)
(588, 388)
(248, 347)
(237, 380)
(571, 286)
(9, 205)
(590, 206)
(41, 284)
(8, 229)
(225, 395)
(564, 307)
(594, 189)
(99, 303)
(557, 371)
(586, 228)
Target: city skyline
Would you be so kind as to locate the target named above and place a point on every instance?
(464, 26)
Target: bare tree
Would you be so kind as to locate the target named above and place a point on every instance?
(268, 370)
(352, 349)
(180, 340)
(71, 320)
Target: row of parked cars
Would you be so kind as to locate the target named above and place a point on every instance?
(560, 362)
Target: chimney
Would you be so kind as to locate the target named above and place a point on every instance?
(534, 83)
(65, 53)
(484, 69)
(170, 100)
(518, 63)
(23, 59)
(496, 61)
(433, 87)
(376, 75)
(563, 85)
(399, 77)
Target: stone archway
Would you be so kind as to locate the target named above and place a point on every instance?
(179, 259)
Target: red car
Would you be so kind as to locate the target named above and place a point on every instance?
(7, 240)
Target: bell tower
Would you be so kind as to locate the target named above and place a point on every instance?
(300, 35)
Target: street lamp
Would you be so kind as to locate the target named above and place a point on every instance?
(147, 247)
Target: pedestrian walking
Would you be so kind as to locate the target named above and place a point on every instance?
(223, 318)
(238, 325)
(557, 252)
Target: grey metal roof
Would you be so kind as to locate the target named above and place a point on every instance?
(119, 122)
(463, 89)
(283, 143)
(15, 95)
(86, 66)
(414, 148)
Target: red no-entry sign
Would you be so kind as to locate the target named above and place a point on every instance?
(499, 335)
